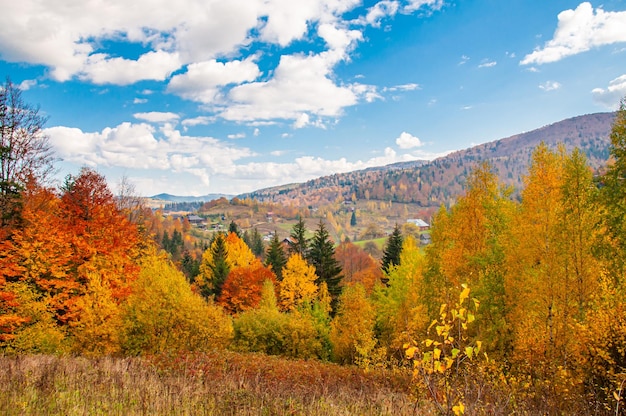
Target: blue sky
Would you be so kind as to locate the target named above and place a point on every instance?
(193, 97)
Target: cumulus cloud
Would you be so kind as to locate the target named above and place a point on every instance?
(205, 50)
(156, 66)
(203, 80)
(611, 95)
(157, 117)
(408, 141)
(550, 86)
(578, 31)
(191, 164)
(301, 84)
(379, 11)
(142, 147)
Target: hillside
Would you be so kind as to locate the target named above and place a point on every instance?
(430, 184)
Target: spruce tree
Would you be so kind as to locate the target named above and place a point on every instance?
(393, 248)
(299, 243)
(219, 267)
(353, 219)
(233, 228)
(276, 257)
(256, 242)
(322, 257)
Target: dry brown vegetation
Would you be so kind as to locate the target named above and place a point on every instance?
(220, 383)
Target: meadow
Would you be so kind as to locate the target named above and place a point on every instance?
(215, 383)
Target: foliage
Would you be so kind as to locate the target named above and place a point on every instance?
(358, 266)
(163, 314)
(242, 289)
(38, 333)
(613, 195)
(441, 358)
(352, 329)
(298, 284)
(401, 314)
(214, 268)
(267, 330)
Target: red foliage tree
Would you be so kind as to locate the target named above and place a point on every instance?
(242, 289)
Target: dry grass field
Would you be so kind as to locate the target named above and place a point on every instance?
(220, 383)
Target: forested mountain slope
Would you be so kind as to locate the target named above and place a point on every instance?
(442, 180)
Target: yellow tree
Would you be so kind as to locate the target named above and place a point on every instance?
(538, 288)
(352, 329)
(298, 284)
(163, 314)
(401, 313)
(469, 247)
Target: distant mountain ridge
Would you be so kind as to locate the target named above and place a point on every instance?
(175, 198)
(441, 181)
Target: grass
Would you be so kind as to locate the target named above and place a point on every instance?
(220, 383)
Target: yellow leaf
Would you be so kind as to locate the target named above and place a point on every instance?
(459, 409)
(410, 352)
(455, 352)
(437, 353)
(442, 308)
(464, 294)
(428, 342)
(479, 344)
(469, 351)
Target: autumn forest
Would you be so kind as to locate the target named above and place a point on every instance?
(517, 305)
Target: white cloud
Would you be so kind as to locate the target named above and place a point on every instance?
(413, 5)
(464, 59)
(487, 64)
(408, 141)
(203, 80)
(140, 100)
(164, 160)
(611, 96)
(379, 11)
(256, 132)
(156, 117)
(197, 121)
(550, 86)
(301, 84)
(237, 136)
(141, 147)
(27, 84)
(403, 87)
(578, 31)
(101, 69)
(202, 50)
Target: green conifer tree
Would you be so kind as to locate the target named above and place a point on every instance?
(322, 257)
(276, 257)
(393, 248)
(219, 267)
(299, 242)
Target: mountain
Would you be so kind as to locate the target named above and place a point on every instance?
(432, 183)
(174, 198)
